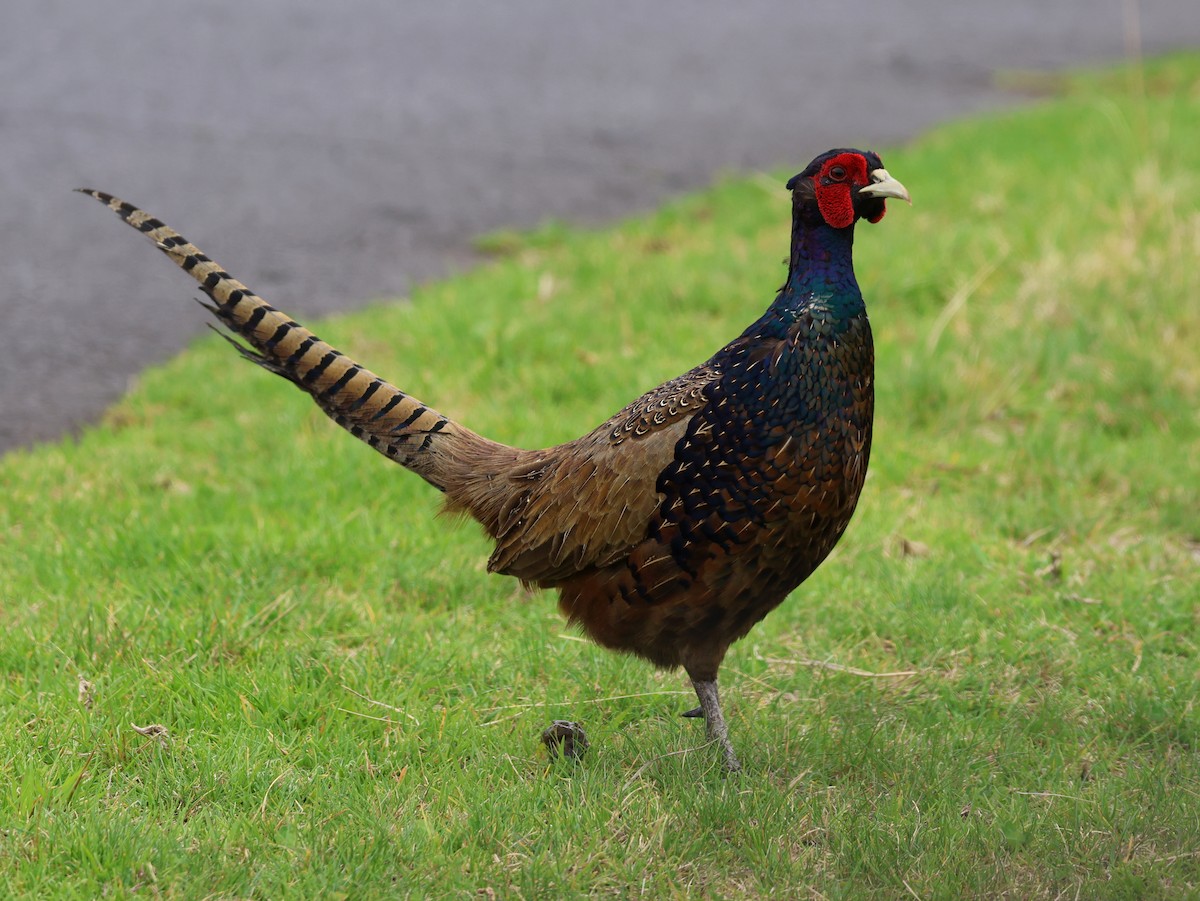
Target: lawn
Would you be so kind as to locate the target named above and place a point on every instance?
(244, 659)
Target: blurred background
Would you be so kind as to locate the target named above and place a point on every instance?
(329, 154)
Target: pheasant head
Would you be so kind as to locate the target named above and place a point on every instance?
(847, 185)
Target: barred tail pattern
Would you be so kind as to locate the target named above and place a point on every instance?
(394, 423)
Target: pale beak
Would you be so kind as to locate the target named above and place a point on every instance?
(883, 185)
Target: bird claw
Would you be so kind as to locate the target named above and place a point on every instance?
(732, 764)
(694, 713)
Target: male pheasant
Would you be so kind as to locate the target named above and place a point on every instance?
(675, 526)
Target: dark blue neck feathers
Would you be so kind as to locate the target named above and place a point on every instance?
(820, 273)
(822, 260)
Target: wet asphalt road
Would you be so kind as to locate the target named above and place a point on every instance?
(330, 153)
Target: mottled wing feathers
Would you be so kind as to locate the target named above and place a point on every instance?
(584, 504)
(668, 403)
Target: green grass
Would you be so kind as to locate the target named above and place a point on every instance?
(353, 706)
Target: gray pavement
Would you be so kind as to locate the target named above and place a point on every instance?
(331, 153)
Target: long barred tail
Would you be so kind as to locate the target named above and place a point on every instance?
(392, 422)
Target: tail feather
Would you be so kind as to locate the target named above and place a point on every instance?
(392, 422)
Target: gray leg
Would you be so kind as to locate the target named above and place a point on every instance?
(714, 721)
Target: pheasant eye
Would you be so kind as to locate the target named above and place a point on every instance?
(837, 173)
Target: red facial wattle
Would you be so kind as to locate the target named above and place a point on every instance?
(833, 187)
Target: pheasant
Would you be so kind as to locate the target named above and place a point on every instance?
(675, 526)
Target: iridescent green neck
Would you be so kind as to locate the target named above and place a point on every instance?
(820, 277)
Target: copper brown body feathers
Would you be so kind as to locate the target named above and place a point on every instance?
(675, 526)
